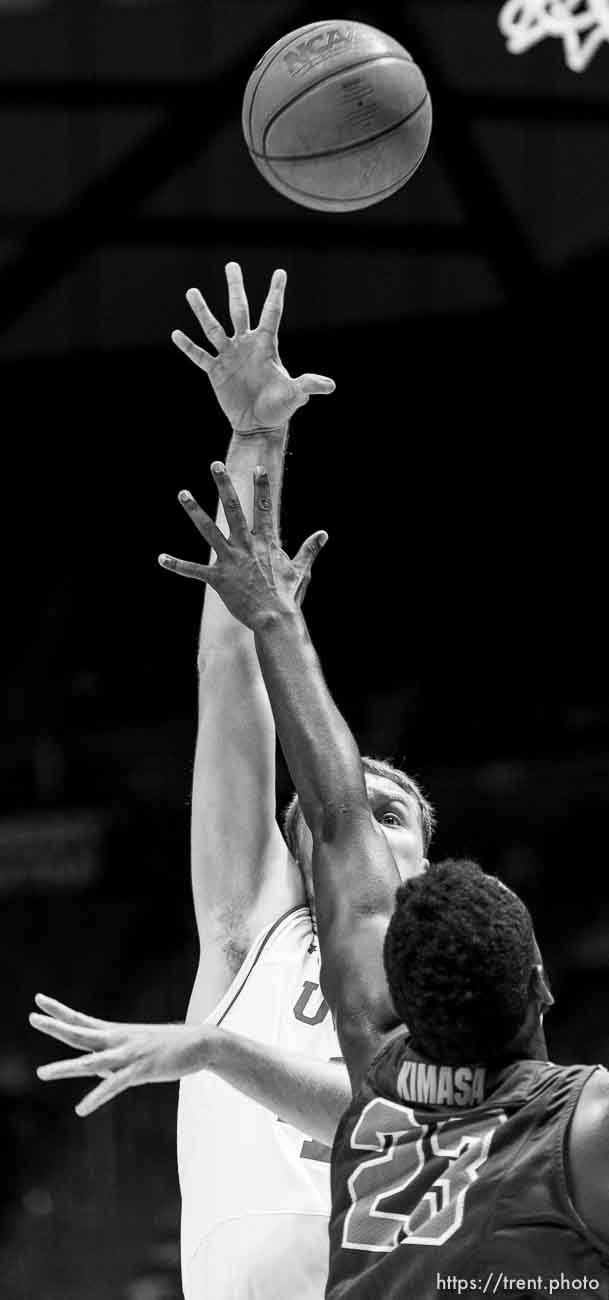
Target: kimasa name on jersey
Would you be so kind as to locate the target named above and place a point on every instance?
(441, 1085)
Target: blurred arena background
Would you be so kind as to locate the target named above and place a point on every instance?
(460, 608)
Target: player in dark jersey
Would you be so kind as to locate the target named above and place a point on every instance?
(467, 1161)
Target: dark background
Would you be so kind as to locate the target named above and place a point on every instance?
(460, 608)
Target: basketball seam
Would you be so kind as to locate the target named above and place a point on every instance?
(343, 148)
(385, 192)
(282, 45)
(336, 72)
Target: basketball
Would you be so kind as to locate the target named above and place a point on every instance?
(337, 116)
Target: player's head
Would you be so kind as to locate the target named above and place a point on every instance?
(400, 808)
(463, 965)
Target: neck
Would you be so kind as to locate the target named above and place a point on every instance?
(530, 1041)
(532, 1045)
(529, 1044)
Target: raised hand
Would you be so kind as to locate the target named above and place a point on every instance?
(252, 386)
(252, 574)
(123, 1055)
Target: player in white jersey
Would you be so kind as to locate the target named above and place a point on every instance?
(254, 1185)
(264, 1208)
(241, 1233)
(255, 1197)
(244, 880)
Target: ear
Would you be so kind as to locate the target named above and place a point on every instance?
(539, 989)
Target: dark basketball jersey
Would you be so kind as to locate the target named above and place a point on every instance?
(453, 1179)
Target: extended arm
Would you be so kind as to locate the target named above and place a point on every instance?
(240, 870)
(309, 1094)
(242, 877)
(354, 869)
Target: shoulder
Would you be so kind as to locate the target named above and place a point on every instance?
(590, 1123)
(587, 1154)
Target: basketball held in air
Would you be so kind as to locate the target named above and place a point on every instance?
(337, 116)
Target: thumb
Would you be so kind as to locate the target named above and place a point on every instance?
(304, 561)
(306, 556)
(309, 385)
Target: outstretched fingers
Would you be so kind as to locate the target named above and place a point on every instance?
(211, 327)
(186, 569)
(118, 1082)
(237, 298)
(79, 1036)
(203, 523)
(264, 523)
(308, 552)
(235, 517)
(311, 385)
(236, 520)
(78, 1067)
(304, 560)
(272, 311)
(201, 358)
(62, 1012)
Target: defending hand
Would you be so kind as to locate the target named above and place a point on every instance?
(252, 574)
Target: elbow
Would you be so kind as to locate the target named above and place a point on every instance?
(334, 820)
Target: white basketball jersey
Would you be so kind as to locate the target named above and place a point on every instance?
(255, 1191)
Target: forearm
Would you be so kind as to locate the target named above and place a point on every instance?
(309, 1094)
(320, 751)
(233, 827)
(354, 871)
